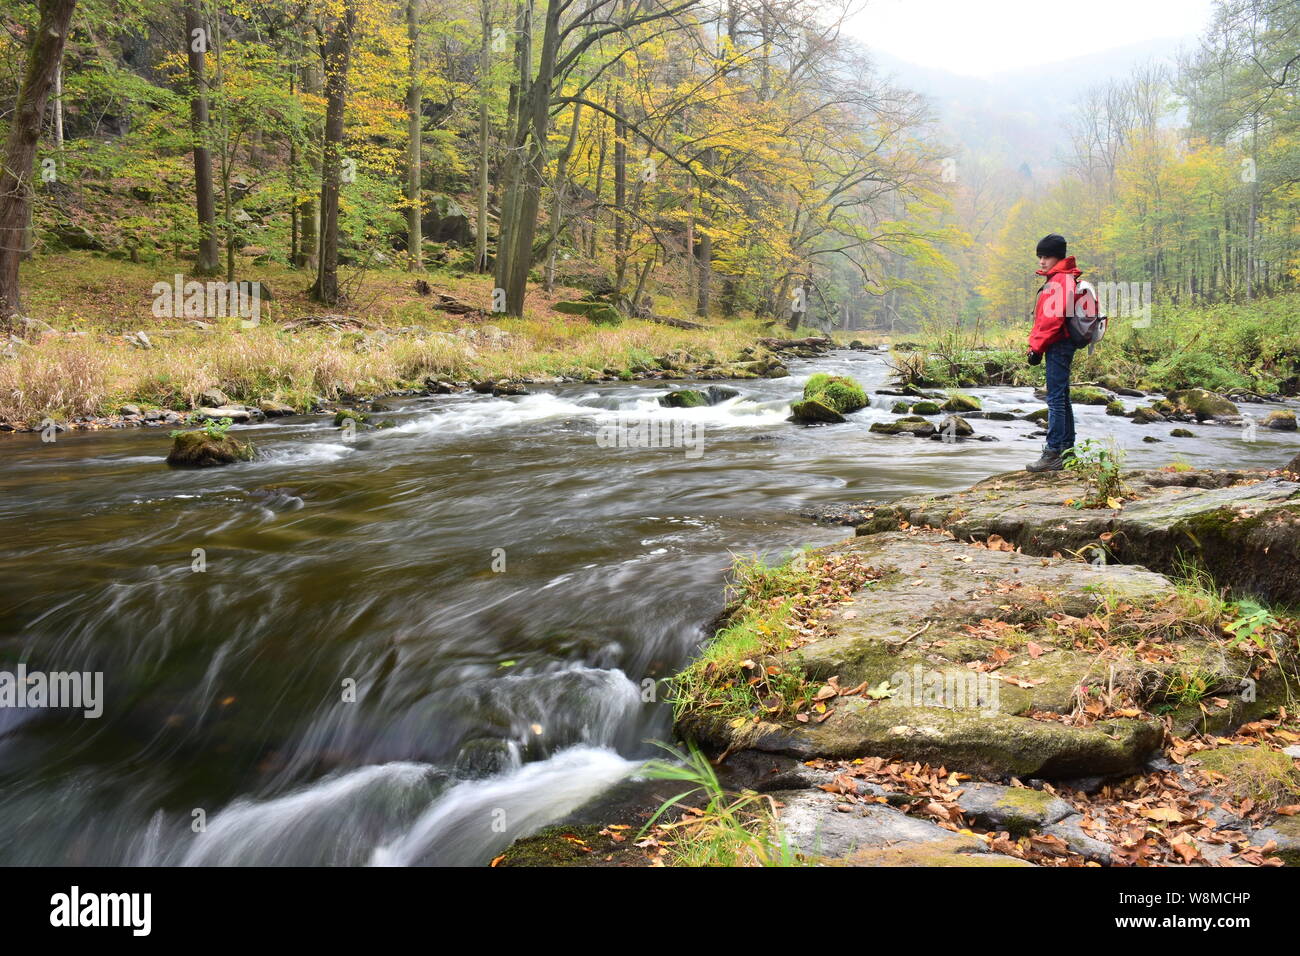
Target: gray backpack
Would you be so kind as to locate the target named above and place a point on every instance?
(1084, 321)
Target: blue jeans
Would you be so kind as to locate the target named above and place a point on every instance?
(1060, 414)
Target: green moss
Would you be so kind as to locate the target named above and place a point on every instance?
(960, 402)
(925, 408)
(560, 846)
(1201, 403)
(1266, 776)
(684, 398)
(598, 313)
(956, 851)
(901, 408)
(836, 392)
(199, 449)
(1282, 420)
(1087, 395)
(1115, 408)
(350, 414)
(814, 410)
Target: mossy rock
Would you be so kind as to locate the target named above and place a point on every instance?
(598, 313)
(1115, 408)
(957, 402)
(956, 425)
(901, 408)
(1181, 433)
(814, 410)
(836, 392)
(1266, 776)
(578, 845)
(945, 853)
(1039, 416)
(350, 415)
(684, 398)
(912, 425)
(1283, 420)
(1087, 395)
(198, 449)
(1201, 403)
(1017, 810)
(925, 408)
(1147, 416)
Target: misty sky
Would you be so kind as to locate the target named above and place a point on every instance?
(983, 37)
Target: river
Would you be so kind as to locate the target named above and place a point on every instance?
(417, 645)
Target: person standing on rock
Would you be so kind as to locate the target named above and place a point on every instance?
(1049, 341)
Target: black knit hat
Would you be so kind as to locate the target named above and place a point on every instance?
(1052, 246)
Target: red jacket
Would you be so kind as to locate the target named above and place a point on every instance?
(1054, 301)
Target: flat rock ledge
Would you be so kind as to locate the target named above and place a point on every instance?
(1242, 527)
(990, 646)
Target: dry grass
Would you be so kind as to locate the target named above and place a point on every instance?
(90, 370)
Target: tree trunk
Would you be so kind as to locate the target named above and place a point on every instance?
(524, 173)
(20, 148)
(485, 89)
(414, 241)
(206, 262)
(310, 216)
(336, 54)
(705, 285)
(559, 189)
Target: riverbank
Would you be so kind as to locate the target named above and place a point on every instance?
(93, 354)
(967, 682)
(1244, 350)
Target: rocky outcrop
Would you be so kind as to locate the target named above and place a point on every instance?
(1242, 527)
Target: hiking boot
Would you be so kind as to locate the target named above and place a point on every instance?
(1050, 461)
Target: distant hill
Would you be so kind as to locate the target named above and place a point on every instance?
(1013, 115)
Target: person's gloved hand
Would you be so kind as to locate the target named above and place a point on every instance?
(1035, 357)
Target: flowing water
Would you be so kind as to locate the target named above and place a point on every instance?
(415, 646)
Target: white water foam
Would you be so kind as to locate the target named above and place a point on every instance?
(476, 819)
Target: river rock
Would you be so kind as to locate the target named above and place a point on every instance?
(128, 411)
(812, 411)
(1201, 403)
(1078, 840)
(939, 587)
(236, 413)
(274, 409)
(1017, 810)
(198, 449)
(959, 403)
(820, 825)
(912, 425)
(1148, 415)
(1181, 433)
(213, 398)
(717, 394)
(956, 425)
(684, 398)
(1283, 420)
